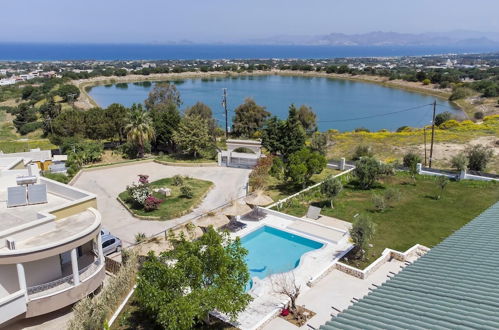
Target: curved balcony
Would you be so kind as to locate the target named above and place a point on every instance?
(48, 297)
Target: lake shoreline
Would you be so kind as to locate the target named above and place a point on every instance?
(85, 101)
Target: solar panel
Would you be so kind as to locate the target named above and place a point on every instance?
(37, 194)
(313, 212)
(16, 196)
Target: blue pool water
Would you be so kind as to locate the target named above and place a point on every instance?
(272, 251)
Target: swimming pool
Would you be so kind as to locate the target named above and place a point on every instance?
(272, 251)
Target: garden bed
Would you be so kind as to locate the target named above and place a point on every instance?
(417, 217)
(172, 206)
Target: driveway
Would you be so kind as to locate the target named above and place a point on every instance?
(107, 183)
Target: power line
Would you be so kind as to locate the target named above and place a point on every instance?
(374, 116)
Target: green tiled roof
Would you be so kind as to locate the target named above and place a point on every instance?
(454, 286)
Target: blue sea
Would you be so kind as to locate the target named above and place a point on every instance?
(58, 52)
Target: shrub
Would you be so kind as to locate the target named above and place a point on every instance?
(426, 82)
(362, 150)
(186, 191)
(152, 203)
(91, 313)
(478, 157)
(138, 193)
(449, 124)
(367, 171)
(362, 129)
(459, 161)
(30, 127)
(177, 180)
(392, 195)
(404, 128)
(277, 169)
(460, 93)
(143, 179)
(378, 202)
(140, 237)
(411, 159)
(478, 115)
(442, 118)
(386, 169)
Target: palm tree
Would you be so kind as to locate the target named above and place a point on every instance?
(140, 130)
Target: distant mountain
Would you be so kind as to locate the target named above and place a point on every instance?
(454, 38)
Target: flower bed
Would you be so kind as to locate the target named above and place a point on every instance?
(144, 202)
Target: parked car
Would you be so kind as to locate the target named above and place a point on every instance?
(110, 244)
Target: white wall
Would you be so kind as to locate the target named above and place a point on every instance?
(9, 283)
(42, 271)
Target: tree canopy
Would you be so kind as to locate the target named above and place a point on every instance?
(165, 119)
(163, 94)
(249, 118)
(307, 118)
(140, 130)
(192, 136)
(304, 163)
(180, 287)
(204, 111)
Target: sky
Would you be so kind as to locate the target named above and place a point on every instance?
(231, 21)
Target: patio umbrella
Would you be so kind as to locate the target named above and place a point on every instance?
(259, 199)
(216, 221)
(237, 209)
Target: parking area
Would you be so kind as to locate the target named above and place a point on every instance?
(108, 182)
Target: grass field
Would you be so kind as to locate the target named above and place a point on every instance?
(175, 205)
(390, 146)
(416, 218)
(279, 189)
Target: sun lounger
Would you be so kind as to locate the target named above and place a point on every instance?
(234, 226)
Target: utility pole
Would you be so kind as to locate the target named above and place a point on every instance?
(224, 104)
(424, 138)
(433, 130)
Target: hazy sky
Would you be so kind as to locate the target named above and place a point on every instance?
(232, 20)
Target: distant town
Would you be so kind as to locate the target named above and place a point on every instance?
(13, 72)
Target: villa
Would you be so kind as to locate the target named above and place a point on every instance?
(50, 243)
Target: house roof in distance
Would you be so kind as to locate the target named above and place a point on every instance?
(455, 285)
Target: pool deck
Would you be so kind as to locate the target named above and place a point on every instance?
(336, 289)
(266, 303)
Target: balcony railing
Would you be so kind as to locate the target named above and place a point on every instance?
(88, 271)
(62, 283)
(49, 287)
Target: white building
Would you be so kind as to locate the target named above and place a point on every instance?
(50, 244)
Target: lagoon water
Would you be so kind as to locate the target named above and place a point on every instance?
(339, 104)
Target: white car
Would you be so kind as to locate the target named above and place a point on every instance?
(110, 244)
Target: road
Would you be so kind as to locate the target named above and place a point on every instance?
(107, 183)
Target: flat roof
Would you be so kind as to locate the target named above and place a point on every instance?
(63, 229)
(454, 286)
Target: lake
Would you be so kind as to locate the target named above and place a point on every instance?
(339, 104)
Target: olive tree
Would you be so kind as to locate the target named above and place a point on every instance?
(367, 170)
(361, 233)
(331, 188)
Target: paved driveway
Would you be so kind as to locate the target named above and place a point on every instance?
(107, 183)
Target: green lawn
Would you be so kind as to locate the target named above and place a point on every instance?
(175, 205)
(416, 218)
(279, 189)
